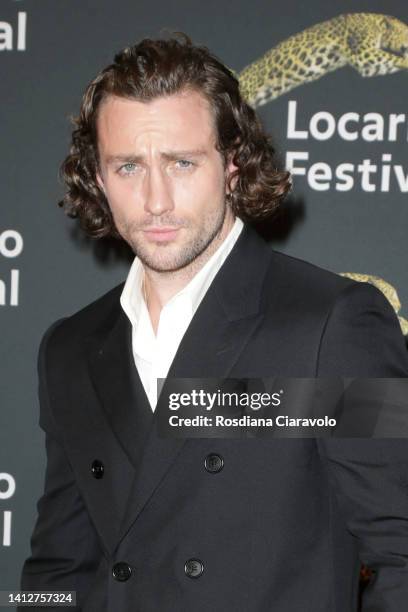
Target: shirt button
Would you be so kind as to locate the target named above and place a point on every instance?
(97, 469)
(121, 571)
(193, 568)
(214, 463)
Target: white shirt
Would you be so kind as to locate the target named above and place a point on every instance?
(153, 354)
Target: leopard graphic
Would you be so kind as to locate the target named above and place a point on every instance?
(373, 44)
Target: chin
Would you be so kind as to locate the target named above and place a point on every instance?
(165, 262)
(168, 262)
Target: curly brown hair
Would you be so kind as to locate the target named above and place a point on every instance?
(155, 68)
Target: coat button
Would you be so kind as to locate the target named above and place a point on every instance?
(193, 568)
(97, 469)
(213, 463)
(121, 571)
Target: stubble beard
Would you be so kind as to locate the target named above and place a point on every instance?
(183, 256)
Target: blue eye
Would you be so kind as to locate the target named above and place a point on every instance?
(184, 163)
(128, 167)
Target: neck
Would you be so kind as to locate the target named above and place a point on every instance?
(160, 287)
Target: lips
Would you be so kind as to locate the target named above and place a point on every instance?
(161, 234)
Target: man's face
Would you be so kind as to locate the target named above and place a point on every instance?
(163, 177)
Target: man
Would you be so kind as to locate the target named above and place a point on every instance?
(168, 156)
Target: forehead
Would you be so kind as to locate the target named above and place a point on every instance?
(180, 120)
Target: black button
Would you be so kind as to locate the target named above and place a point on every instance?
(214, 463)
(97, 469)
(193, 568)
(121, 571)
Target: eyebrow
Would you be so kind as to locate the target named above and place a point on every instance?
(168, 155)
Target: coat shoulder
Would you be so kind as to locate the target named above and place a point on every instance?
(301, 283)
(304, 292)
(100, 314)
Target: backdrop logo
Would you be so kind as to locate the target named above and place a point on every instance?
(13, 35)
(368, 174)
(7, 490)
(374, 45)
(11, 246)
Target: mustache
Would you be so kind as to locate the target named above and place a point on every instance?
(160, 222)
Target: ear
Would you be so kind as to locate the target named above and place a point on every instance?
(100, 181)
(229, 169)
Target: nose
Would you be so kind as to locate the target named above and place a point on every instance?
(158, 196)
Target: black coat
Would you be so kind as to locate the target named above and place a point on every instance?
(134, 522)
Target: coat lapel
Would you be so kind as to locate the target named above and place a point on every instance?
(220, 330)
(118, 386)
(111, 426)
(102, 416)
